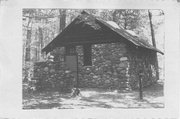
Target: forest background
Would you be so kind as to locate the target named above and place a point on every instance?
(40, 26)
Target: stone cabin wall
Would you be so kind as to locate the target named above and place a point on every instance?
(53, 76)
(108, 71)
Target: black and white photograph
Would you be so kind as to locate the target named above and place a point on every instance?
(93, 58)
(89, 59)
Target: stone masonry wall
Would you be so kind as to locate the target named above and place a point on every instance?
(53, 76)
(109, 71)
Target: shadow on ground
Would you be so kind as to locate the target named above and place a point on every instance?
(97, 98)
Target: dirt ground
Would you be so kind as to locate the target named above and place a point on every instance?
(153, 97)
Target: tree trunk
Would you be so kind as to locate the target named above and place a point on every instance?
(114, 16)
(28, 42)
(41, 44)
(125, 20)
(154, 44)
(62, 22)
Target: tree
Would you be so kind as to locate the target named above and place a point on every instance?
(62, 19)
(154, 44)
(57, 53)
(29, 13)
(128, 19)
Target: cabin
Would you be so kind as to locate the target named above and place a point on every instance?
(135, 56)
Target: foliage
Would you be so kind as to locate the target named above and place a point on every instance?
(27, 74)
(40, 26)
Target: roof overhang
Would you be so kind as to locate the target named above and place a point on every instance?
(87, 29)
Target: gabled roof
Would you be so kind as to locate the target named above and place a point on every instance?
(134, 39)
(87, 28)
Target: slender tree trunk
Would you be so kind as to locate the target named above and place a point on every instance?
(24, 52)
(125, 20)
(28, 42)
(62, 25)
(154, 44)
(125, 24)
(28, 39)
(62, 19)
(37, 47)
(114, 16)
(152, 30)
(40, 42)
